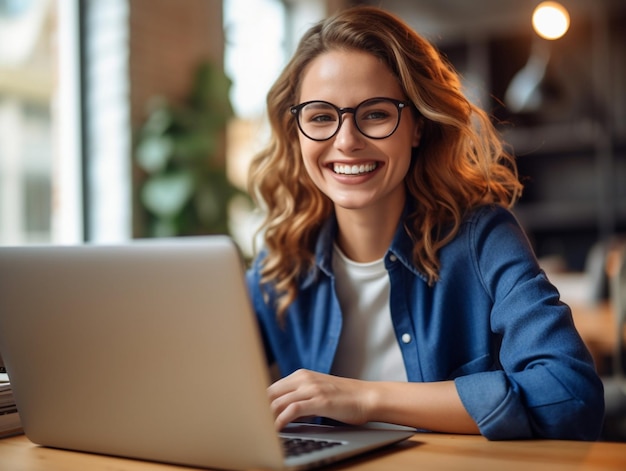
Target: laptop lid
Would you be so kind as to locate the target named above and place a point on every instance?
(147, 350)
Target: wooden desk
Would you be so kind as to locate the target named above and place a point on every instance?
(422, 452)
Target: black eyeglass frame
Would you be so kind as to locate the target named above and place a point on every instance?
(400, 105)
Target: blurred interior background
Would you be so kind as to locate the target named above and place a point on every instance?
(124, 119)
(137, 118)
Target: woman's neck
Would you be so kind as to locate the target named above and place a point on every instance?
(365, 235)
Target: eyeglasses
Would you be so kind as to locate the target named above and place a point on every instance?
(376, 118)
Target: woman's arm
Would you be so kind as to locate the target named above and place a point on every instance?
(430, 406)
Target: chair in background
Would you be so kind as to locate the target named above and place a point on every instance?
(615, 385)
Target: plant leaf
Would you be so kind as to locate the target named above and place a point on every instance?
(165, 195)
(154, 152)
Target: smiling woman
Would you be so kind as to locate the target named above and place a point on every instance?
(354, 80)
(394, 284)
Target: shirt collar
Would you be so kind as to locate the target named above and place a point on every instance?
(401, 247)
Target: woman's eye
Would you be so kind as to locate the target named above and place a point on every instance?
(374, 115)
(321, 118)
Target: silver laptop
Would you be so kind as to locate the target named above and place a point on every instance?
(150, 350)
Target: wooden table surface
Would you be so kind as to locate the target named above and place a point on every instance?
(425, 451)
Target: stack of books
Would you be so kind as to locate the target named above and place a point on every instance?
(10, 423)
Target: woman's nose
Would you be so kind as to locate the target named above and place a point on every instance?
(348, 137)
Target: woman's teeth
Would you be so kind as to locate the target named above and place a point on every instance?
(354, 169)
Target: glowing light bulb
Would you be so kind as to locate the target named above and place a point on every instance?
(550, 20)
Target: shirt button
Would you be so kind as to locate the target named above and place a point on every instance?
(406, 338)
(393, 258)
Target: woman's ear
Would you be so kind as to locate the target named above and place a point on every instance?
(417, 132)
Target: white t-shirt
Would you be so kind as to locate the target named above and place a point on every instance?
(368, 348)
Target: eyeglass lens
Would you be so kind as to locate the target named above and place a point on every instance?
(376, 118)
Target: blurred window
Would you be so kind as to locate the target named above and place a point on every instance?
(27, 68)
(40, 165)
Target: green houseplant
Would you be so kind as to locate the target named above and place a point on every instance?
(179, 149)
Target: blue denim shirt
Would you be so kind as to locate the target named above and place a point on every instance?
(493, 323)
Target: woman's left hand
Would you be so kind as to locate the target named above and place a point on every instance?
(306, 393)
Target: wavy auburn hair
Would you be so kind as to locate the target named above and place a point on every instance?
(459, 164)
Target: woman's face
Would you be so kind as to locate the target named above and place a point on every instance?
(355, 171)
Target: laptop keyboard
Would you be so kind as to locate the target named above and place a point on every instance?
(301, 446)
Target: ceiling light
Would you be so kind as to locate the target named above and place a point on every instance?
(550, 20)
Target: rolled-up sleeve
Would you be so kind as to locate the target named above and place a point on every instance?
(547, 386)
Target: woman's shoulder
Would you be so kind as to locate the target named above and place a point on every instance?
(486, 218)
(488, 228)
(489, 212)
